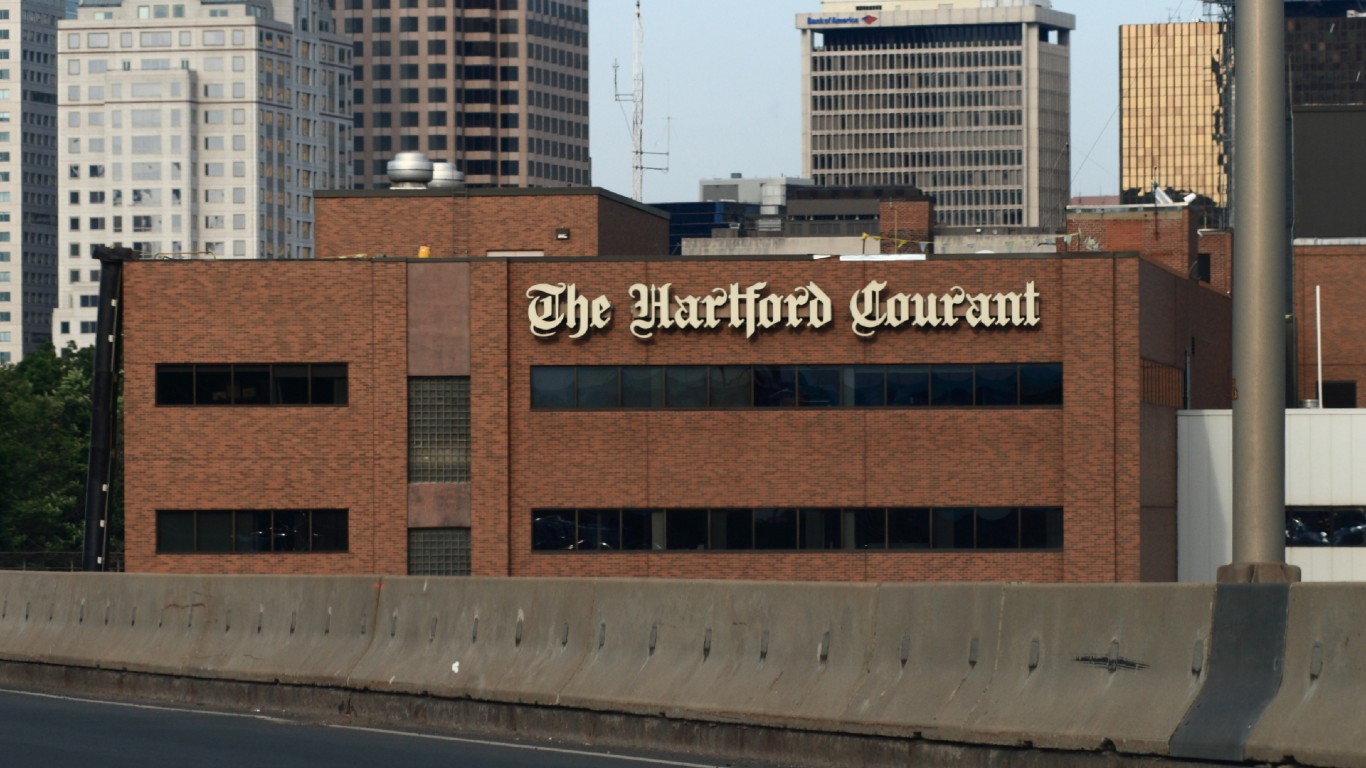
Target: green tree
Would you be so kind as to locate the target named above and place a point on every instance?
(44, 450)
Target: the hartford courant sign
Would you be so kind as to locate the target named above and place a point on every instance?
(560, 307)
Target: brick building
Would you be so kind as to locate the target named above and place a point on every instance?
(758, 418)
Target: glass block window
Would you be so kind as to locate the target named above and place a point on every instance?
(439, 430)
(438, 551)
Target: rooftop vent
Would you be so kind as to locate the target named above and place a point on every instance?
(409, 170)
(446, 176)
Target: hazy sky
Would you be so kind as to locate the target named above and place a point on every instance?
(722, 81)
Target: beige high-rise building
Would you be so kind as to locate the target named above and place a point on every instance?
(1171, 117)
(193, 128)
(498, 87)
(966, 99)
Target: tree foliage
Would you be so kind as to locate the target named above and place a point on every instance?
(44, 450)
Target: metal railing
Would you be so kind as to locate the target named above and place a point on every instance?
(51, 561)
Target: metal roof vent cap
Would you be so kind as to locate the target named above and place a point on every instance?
(446, 176)
(409, 170)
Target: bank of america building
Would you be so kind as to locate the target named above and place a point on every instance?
(965, 99)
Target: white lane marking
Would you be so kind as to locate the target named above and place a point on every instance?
(532, 747)
(151, 707)
(387, 731)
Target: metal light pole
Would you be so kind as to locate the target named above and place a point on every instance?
(1261, 276)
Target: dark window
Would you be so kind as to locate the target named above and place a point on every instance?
(642, 386)
(908, 385)
(213, 384)
(731, 386)
(552, 387)
(996, 385)
(732, 529)
(637, 529)
(825, 386)
(775, 529)
(950, 385)
(908, 528)
(1325, 526)
(256, 530)
(553, 530)
(175, 385)
(251, 384)
(1041, 528)
(686, 529)
(998, 529)
(819, 386)
(775, 386)
(291, 384)
(952, 528)
(1041, 384)
(328, 384)
(599, 529)
(213, 531)
(597, 387)
(175, 532)
(1201, 268)
(1339, 394)
(870, 529)
(820, 529)
(823, 529)
(865, 385)
(685, 386)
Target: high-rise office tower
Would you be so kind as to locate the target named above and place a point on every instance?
(498, 87)
(1172, 116)
(966, 99)
(1177, 105)
(195, 127)
(28, 174)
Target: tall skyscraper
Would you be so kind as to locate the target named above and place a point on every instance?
(498, 87)
(1172, 116)
(1177, 105)
(28, 174)
(966, 99)
(193, 128)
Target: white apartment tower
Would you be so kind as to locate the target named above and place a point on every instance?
(194, 128)
(28, 174)
(966, 99)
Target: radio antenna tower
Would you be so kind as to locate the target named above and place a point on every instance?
(637, 99)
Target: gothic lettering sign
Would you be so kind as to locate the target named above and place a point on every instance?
(557, 307)
(872, 309)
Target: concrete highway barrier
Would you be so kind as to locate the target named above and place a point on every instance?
(1316, 717)
(1103, 668)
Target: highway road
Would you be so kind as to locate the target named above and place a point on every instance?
(59, 731)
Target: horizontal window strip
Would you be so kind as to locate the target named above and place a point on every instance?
(698, 387)
(1307, 526)
(247, 384)
(798, 529)
(251, 531)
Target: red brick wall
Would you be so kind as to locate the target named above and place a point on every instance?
(1083, 457)
(905, 220)
(350, 457)
(1166, 236)
(1077, 457)
(398, 223)
(1340, 271)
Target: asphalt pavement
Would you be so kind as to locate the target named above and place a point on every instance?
(62, 731)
